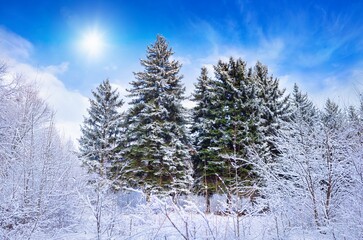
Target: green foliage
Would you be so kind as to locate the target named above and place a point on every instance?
(157, 154)
(102, 133)
(207, 164)
(273, 110)
(240, 109)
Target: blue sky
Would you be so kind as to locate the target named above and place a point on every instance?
(317, 44)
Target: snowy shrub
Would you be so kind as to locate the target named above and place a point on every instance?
(37, 168)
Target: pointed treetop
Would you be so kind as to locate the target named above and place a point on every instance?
(159, 51)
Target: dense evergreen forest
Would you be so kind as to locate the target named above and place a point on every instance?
(247, 151)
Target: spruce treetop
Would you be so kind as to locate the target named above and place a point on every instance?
(161, 74)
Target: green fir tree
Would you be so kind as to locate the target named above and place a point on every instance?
(102, 137)
(158, 149)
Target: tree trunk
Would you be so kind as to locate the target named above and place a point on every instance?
(207, 202)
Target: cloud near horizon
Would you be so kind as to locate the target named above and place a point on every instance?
(69, 105)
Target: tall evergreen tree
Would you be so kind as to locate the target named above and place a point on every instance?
(236, 96)
(302, 108)
(206, 162)
(224, 125)
(332, 116)
(101, 139)
(273, 110)
(240, 108)
(158, 152)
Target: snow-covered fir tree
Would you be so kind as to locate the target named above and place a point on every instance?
(332, 116)
(301, 107)
(158, 151)
(206, 162)
(102, 133)
(273, 110)
(236, 120)
(238, 110)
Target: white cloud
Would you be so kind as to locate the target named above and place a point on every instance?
(69, 105)
(57, 69)
(344, 92)
(268, 52)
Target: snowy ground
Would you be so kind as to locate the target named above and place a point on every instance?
(162, 219)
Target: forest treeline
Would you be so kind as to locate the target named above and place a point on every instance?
(244, 138)
(267, 152)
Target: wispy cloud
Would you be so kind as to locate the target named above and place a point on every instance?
(208, 34)
(342, 88)
(57, 69)
(14, 45)
(319, 68)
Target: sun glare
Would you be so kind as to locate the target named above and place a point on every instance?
(92, 43)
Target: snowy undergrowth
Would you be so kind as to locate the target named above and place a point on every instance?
(163, 219)
(129, 216)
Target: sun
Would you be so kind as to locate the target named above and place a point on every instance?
(92, 43)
